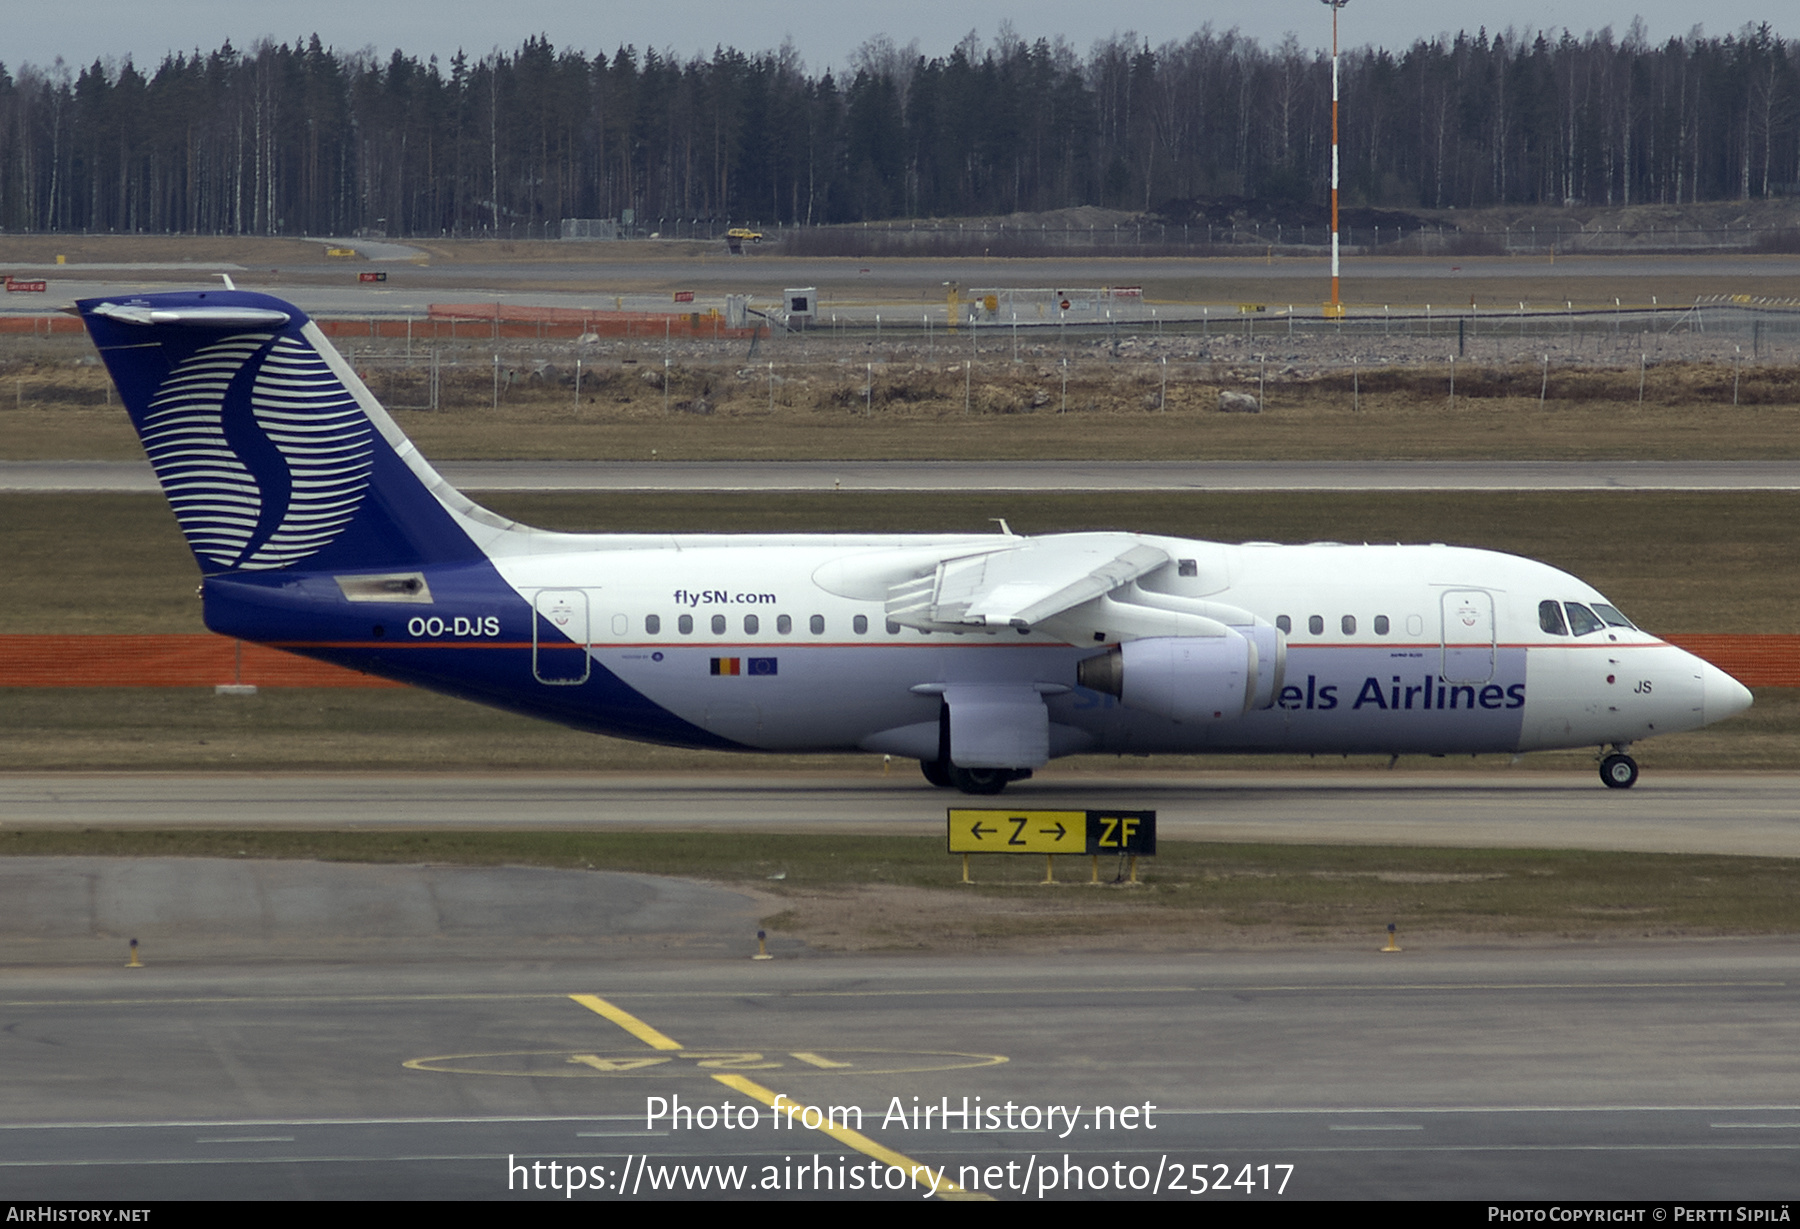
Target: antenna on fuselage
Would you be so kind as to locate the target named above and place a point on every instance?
(1004, 527)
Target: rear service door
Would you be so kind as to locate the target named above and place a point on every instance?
(559, 637)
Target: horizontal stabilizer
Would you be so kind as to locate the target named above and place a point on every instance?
(195, 317)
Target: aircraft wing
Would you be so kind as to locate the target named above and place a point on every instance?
(1023, 585)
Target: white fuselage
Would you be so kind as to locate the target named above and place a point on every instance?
(1389, 649)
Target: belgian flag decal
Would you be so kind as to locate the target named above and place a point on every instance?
(745, 665)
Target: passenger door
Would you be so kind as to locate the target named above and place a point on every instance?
(1468, 635)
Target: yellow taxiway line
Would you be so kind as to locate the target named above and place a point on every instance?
(941, 1187)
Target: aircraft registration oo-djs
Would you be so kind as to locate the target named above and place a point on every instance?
(321, 530)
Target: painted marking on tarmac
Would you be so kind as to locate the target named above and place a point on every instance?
(944, 1191)
(1756, 1126)
(941, 1187)
(248, 1139)
(817, 1060)
(1209, 1112)
(703, 1063)
(1375, 1126)
(1222, 988)
(992, 991)
(481, 1120)
(625, 1020)
(278, 999)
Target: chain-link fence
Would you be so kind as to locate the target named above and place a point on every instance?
(1727, 352)
(1749, 350)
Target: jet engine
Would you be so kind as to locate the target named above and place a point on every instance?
(1183, 678)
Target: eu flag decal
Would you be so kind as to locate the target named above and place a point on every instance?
(725, 665)
(759, 665)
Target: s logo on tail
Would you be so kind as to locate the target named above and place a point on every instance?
(263, 452)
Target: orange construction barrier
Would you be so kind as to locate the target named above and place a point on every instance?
(198, 660)
(40, 325)
(474, 321)
(1754, 661)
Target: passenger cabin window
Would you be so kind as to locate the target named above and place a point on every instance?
(1582, 620)
(817, 624)
(752, 625)
(893, 628)
(1285, 624)
(1348, 623)
(1316, 625)
(685, 625)
(1381, 625)
(1550, 618)
(1187, 567)
(860, 625)
(784, 624)
(653, 624)
(718, 625)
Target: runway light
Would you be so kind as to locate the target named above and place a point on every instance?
(1391, 945)
(762, 946)
(134, 962)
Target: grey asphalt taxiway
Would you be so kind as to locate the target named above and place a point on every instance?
(1751, 814)
(309, 1031)
(1654, 1072)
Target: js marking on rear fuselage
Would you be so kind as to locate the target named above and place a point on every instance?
(320, 529)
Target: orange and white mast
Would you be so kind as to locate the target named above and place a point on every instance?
(1335, 307)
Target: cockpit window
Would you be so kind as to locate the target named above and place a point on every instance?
(1582, 620)
(1612, 616)
(1550, 618)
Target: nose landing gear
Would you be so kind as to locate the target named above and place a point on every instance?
(1618, 770)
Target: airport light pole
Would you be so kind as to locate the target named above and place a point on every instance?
(1335, 307)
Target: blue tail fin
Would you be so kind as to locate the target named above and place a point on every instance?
(272, 452)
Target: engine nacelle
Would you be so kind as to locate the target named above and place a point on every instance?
(1184, 678)
(1271, 662)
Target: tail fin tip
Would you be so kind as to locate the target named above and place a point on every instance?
(271, 450)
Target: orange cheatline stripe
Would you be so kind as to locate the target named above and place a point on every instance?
(204, 659)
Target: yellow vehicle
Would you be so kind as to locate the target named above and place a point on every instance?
(738, 236)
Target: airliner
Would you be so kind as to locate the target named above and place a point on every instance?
(319, 529)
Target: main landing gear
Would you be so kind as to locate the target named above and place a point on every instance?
(946, 775)
(1619, 770)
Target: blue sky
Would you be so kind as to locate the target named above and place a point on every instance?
(825, 34)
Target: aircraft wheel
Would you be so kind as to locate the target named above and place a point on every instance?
(936, 772)
(979, 780)
(1619, 771)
